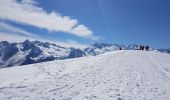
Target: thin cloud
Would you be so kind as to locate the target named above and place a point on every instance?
(26, 12)
(12, 29)
(11, 33)
(14, 34)
(5, 36)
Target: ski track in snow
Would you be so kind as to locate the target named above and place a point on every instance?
(118, 75)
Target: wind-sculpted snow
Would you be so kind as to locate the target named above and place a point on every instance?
(118, 75)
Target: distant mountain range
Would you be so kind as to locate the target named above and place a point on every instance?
(29, 52)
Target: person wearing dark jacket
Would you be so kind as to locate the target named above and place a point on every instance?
(147, 48)
(142, 47)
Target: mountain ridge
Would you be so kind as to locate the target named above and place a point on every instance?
(29, 52)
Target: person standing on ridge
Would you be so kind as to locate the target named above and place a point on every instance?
(147, 48)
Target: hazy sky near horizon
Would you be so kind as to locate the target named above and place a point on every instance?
(87, 21)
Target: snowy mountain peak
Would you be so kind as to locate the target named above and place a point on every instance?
(4, 43)
(28, 52)
(27, 45)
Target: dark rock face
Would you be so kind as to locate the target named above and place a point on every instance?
(31, 61)
(8, 51)
(75, 53)
(90, 51)
(35, 52)
(44, 44)
(27, 45)
(3, 43)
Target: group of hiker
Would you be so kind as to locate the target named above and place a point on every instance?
(142, 47)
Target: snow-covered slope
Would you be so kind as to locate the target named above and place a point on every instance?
(118, 75)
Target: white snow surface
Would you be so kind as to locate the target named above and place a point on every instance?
(117, 75)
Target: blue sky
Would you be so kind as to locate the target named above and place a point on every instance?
(88, 21)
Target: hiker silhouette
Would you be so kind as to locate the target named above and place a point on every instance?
(141, 47)
(147, 48)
